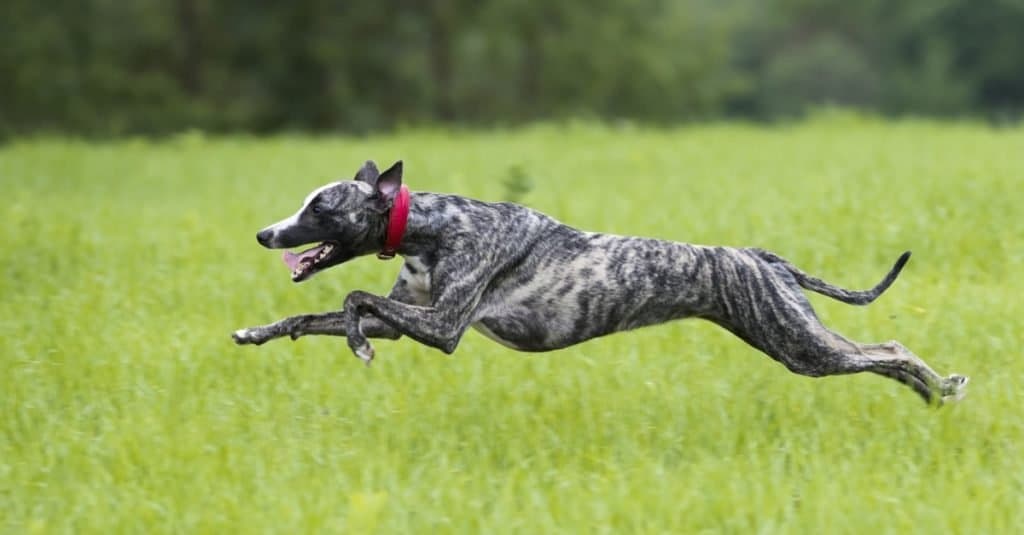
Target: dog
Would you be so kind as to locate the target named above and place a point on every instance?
(534, 284)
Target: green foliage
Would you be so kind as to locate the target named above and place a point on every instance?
(127, 408)
(825, 70)
(944, 57)
(517, 184)
(146, 67)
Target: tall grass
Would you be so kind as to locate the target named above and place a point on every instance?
(126, 408)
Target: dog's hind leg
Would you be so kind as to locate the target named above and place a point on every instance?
(811, 349)
(910, 380)
(772, 314)
(950, 388)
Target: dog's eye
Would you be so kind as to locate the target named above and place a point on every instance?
(316, 209)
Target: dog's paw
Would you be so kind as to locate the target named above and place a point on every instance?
(249, 336)
(365, 352)
(954, 388)
(360, 346)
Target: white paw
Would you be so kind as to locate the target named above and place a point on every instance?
(247, 336)
(365, 353)
(953, 388)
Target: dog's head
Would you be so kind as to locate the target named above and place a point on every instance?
(348, 218)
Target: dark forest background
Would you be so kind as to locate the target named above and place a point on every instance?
(114, 67)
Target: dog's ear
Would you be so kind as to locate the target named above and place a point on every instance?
(389, 181)
(368, 173)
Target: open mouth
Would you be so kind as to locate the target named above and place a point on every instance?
(309, 261)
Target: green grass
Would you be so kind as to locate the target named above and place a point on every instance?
(126, 408)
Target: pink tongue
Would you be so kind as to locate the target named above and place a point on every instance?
(293, 260)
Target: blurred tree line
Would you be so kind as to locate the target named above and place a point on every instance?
(110, 67)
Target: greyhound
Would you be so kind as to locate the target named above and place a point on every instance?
(532, 283)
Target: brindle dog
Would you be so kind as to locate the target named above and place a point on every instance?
(534, 284)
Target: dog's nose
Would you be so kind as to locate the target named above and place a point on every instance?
(264, 236)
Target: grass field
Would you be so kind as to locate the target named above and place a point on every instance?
(127, 408)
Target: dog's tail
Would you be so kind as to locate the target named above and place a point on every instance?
(853, 297)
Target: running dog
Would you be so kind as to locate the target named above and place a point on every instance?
(534, 284)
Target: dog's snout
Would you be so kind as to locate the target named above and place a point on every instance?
(264, 237)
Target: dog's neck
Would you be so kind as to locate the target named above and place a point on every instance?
(394, 232)
(427, 216)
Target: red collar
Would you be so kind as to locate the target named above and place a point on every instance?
(397, 219)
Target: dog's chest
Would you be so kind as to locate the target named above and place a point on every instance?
(416, 275)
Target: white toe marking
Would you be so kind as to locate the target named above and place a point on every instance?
(365, 352)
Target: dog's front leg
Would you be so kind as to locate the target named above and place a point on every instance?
(433, 326)
(458, 283)
(264, 333)
(438, 317)
(329, 323)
